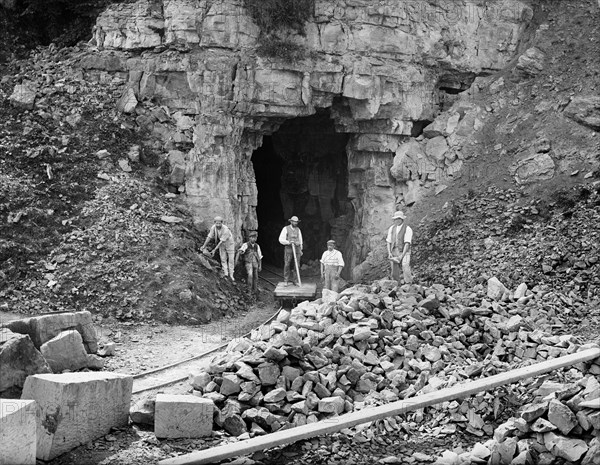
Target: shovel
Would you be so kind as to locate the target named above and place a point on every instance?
(296, 263)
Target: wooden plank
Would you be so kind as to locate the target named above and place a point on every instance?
(307, 290)
(348, 420)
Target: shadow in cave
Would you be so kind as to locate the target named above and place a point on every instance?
(302, 170)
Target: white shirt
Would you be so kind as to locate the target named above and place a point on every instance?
(224, 235)
(332, 257)
(407, 235)
(283, 240)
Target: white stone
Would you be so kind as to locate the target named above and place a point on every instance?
(182, 416)
(520, 292)
(17, 431)
(495, 289)
(76, 408)
(23, 96)
(128, 101)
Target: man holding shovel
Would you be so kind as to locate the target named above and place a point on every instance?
(399, 240)
(221, 234)
(291, 238)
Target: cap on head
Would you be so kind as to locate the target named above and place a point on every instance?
(253, 234)
(331, 241)
(399, 216)
(218, 218)
(294, 218)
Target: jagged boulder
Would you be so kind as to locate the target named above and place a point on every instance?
(18, 359)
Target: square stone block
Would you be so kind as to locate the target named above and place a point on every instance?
(17, 432)
(183, 416)
(76, 408)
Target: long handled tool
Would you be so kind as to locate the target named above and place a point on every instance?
(296, 263)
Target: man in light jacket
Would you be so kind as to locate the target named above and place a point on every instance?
(399, 239)
(291, 236)
(221, 234)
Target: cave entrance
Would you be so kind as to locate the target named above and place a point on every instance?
(302, 170)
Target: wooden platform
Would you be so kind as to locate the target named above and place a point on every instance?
(307, 291)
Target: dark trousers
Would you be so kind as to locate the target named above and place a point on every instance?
(252, 272)
(289, 267)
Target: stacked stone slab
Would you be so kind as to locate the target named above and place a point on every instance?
(66, 340)
(17, 432)
(561, 425)
(373, 345)
(75, 408)
(42, 329)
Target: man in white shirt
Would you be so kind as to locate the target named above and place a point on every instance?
(399, 239)
(289, 237)
(252, 256)
(332, 263)
(221, 234)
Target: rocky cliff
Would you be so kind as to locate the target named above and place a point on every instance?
(383, 99)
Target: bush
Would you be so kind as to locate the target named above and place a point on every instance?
(280, 17)
(277, 15)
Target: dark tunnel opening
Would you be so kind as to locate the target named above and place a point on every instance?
(302, 170)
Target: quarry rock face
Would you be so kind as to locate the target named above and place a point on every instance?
(372, 78)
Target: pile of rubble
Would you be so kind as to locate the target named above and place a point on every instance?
(552, 428)
(521, 239)
(87, 222)
(377, 344)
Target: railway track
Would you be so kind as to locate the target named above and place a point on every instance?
(178, 371)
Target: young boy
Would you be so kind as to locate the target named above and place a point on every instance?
(252, 256)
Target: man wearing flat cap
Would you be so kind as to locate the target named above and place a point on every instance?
(289, 237)
(332, 263)
(252, 256)
(221, 234)
(399, 239)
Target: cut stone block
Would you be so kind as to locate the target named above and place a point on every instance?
(65, 352)
(17, 431)
(18, 359)
(76, 408)
(182, 416)
(43, 328)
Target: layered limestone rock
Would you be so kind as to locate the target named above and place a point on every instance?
(382, 72)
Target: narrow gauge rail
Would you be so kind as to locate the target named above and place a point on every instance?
(178, 371)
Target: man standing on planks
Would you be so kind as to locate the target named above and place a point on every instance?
(399, 239)
(291, 236)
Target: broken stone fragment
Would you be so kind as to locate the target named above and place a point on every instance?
(23, 96)
(567, 448)
(331, 405)
(18, 359)
(561, 416)
(65, 352)
(142, 411)
(496, 290)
